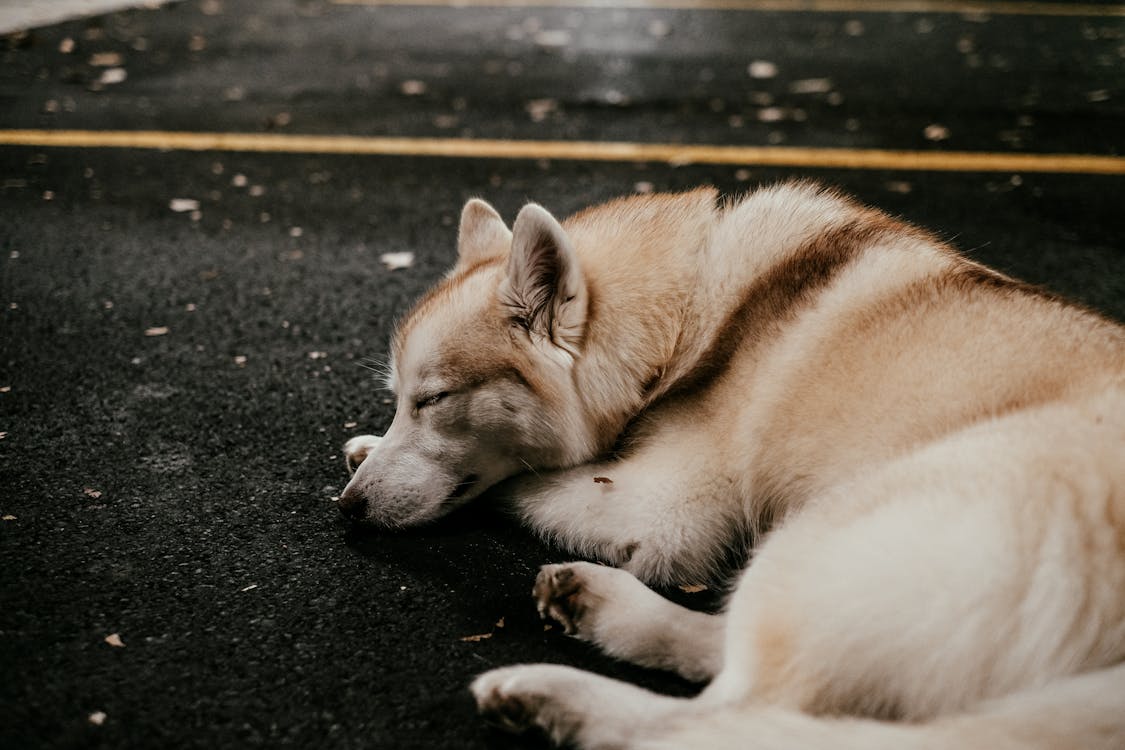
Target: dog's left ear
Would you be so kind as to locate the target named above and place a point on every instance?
(482, 234)
(545, 291)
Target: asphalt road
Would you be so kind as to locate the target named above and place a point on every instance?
(175, 385)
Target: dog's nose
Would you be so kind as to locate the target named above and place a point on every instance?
(352, 504)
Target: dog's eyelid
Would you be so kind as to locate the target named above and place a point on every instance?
(430, 399)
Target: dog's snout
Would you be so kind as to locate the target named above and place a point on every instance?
(352, 504)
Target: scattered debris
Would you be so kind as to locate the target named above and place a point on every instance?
(395, 261)
(771, 114)
(742, 175)
(413, 87)
(350, 425)
(602, 480)
(106, 59)
(240, 360)
(899, 186)
(317, 355)
(1100, 95)
(476, 638)
(659, 28)
(113, 75)
(762, 69)
(156, 331)
(552, 38)
(540, 109)
(97, 718)
(296, 231)
(183, 205)
(936, 132)
(114, 640)
(500, 623)
(239, 180)
(5, 389)
(693, 588)
(91, 492)
(811, 86)
(643, 187)
(854, 27)
(66, 46)
(251, 587)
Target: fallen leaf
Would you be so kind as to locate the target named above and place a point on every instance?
(476, 638)
(156, 331)
(602, 480)
(395, 261)
(91, 492)
(693, 588)
(114, 640)
(106, 59)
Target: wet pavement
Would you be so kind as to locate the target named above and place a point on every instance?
(183, 334)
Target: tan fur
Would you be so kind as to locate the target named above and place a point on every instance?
(939, 450)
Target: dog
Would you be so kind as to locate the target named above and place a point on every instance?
(928, 454)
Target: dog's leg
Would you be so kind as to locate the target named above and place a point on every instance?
(664, 515)
(356, 449)
(571, 706)
(612, 609)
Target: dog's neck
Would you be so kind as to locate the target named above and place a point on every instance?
(642, 269)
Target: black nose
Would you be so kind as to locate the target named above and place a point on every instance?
(352, 504)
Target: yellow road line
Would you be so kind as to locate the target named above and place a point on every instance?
(823, 6)
(764, 156)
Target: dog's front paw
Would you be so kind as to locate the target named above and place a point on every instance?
(568, 594)
(503, 701)
(356, 449)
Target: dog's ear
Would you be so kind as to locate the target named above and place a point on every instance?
(545, 292)
(482, 235)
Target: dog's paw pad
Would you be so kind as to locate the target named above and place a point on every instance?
(501, 705)
(356, 449)
(560, 594)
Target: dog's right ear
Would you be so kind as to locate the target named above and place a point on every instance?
(482, 235)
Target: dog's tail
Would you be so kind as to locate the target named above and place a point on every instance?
(1085, 712)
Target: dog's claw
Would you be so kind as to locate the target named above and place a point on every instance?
(557, 595)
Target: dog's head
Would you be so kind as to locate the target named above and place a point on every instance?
(482, 373)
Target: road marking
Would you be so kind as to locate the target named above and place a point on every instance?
(822, 6)
(671, 153)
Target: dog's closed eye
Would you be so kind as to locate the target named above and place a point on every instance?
(422, 403)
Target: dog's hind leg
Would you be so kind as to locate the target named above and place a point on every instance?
(612, 609)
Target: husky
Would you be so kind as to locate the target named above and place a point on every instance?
(927, 455)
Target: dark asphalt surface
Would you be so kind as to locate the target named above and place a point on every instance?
(175, 489)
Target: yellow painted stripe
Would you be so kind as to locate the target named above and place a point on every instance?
(823, 6)
(763, 156)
